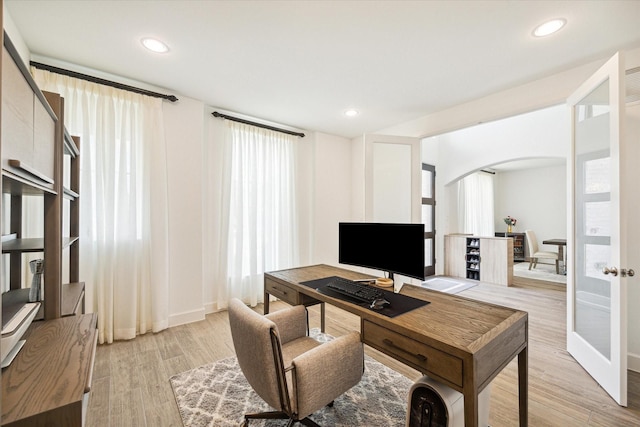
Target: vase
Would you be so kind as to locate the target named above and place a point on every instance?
(509, 229)
(37, 268)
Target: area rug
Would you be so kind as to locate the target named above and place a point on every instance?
(218, 395)
(447, 285)
(546, 272)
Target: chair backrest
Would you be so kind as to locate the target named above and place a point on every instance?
(532, 243)
(257, 346)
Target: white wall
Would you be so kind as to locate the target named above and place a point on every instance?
(541, 133)
(184, 132)
(332, 194)
(537, 198)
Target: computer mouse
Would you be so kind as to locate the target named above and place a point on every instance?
(379, 304)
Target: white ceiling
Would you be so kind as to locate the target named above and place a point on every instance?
(302, 63)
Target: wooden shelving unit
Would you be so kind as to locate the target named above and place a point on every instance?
(50, 377)
(518, 245)
(473, 258)
(40, 173)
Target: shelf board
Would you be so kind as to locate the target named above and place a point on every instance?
(23, 245)
(70, 145)
(68, 241)
(12, 301)
(13, 183)
(70, 194)
(32, 245)
(72, 294)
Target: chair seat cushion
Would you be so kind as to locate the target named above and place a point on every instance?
(295, 348)
(545, 254)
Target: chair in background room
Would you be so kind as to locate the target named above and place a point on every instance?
(535, 254)
(289, 370)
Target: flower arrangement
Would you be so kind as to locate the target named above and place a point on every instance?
(510, 221)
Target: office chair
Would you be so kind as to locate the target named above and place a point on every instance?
(535, 253)
(290, 371)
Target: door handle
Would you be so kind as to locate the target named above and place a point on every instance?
(623, 272)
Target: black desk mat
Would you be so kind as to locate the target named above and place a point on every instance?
(399, 304)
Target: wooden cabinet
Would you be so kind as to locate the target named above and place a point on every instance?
(455, 255)
(518, 245)
(497, 260)
(28, 125)
(488, 259)
(49, 381)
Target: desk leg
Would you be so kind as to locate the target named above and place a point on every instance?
(523, 398)
(266, 303)
(322, 317)
(470, 407)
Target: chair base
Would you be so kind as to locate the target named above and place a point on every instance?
(533, 262)
(278, 415)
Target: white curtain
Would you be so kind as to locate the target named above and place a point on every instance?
(258, 220)
(123, 204)
(475, 204)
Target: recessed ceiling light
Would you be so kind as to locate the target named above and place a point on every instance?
(351, 113)
(155, 45)
(549, 27)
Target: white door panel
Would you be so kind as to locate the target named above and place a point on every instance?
(596, 301)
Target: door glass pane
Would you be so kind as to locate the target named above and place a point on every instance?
(593, 220)
(427, 184)
(597, 219)
(428, 253)
(596, 176)
(427, 218)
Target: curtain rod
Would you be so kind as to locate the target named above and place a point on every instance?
(260, 125)
(105, 82)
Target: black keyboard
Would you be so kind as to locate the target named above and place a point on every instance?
(355, 290)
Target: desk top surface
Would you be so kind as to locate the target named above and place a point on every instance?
(458, 324)
(561, 242)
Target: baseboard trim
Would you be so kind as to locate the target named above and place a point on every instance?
(633, 362)
(186, 317)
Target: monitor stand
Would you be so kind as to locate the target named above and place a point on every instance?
(384, 282)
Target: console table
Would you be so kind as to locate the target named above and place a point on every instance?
(459, 341)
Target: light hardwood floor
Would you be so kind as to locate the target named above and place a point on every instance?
(131, 378)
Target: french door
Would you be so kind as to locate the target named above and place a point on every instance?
(599, 226)
(429, 218)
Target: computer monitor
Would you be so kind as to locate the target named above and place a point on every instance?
(391, 247)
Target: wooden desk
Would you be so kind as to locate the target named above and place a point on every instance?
(458, 341)
(560, 243)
